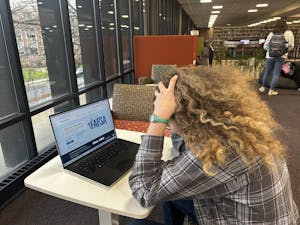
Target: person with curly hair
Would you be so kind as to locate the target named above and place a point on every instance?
(230, 168)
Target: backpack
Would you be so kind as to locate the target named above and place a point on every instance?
(277, 45)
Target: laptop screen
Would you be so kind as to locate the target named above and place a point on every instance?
(82, 130)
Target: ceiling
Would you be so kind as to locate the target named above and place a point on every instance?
(235, 12)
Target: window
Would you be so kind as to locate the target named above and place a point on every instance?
(42, 127)
(84, 42)
(21, 48)
(33, 49)
(125, 34)
(136, 17)
(13, 148)
(108, 27)
(31, 34)
(8, 99)
(44, 65)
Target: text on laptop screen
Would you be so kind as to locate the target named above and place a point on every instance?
(82, 130)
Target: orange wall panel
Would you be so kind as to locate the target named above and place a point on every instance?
(164, 49)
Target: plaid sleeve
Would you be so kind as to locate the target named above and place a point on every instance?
(154, 180)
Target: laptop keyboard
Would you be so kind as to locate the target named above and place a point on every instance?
(98, 159)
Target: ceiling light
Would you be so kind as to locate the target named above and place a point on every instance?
(277, 18)
(124, 16)
(111, 24)
(110, 12)
(262, 5)
(252, 10)
(215, 12)
(212, 20)
(228, 24)
(205, 1)
(289, 23)
(217, 7)
(81, 25)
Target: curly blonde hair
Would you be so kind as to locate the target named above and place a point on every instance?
(219, 112)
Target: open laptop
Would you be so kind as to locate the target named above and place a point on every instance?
(88, 146)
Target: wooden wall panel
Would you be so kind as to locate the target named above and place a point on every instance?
(163, 49)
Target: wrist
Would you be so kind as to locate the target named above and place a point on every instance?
(162, 115)
(154, 118)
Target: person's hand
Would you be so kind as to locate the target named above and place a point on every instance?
(164, 104)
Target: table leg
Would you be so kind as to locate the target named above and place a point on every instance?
(107, 218)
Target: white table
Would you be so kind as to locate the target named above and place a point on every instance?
(53, 180)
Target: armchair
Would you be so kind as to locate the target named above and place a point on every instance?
(132, 106)
(156, 71)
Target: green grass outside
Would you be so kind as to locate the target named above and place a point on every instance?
(34, 74)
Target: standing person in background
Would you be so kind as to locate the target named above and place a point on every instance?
(205, 54)
(273, 60)
(211, 53)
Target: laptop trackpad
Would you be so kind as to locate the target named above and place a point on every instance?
(108, 174)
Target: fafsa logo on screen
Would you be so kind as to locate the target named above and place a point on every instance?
(97, 122)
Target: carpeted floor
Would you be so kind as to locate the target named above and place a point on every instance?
(34, 208)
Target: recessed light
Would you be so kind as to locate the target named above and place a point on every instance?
(289, 23)
(212, 20)
(262, 5)
(228, 24)
(110, 12)
(216, 12)
(252, 10)
(205, 1)
(217, 7)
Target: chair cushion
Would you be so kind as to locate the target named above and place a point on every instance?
(145, 80)
(139, 126)
(158, 70)
(132, 102)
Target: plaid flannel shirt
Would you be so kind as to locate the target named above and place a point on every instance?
(235, 195)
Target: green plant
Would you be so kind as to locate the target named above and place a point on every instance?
(30, 74)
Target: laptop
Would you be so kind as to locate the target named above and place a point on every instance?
(88, 146)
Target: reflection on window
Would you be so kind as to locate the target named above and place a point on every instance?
(110, 87)
(91, 96)
(42, 127)
(84, 42)
(125, 35)
(8, 101)
(41, 48)
(108, 37)
(136, 17)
